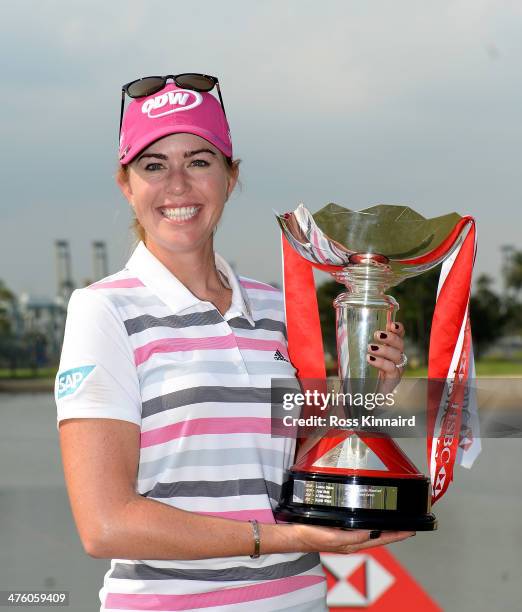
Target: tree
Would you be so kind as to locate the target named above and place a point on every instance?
(6, 306)
(11, 351)
(512, 269)
(513, 315)
(487, 313)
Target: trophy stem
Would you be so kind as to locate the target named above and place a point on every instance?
(360, 312)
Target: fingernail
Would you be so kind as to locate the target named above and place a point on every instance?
(383, 335)
(413, 534)
(396, 325)
(372, 358)
(375, 534)
(374, 347)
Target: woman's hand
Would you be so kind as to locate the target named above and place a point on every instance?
(386, 352)
(328, 539)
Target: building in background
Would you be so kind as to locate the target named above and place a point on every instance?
(32, 327)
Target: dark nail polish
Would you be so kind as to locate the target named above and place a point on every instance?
(383, 335)
(396, 325)
(375, 534)
(374, 347)
(372, 358)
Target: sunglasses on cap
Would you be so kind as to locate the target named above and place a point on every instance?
(147, 86)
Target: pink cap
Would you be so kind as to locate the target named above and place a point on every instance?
(171, 111)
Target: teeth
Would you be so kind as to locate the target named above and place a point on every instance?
(180, 214)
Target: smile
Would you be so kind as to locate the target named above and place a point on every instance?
(181, 213)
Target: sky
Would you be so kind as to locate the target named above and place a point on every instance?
(353, 102)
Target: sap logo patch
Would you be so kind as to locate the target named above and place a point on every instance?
(70, 381)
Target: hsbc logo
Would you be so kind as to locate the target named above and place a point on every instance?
(375, 581)
(440, 480)
(361, 580)
(171, 102)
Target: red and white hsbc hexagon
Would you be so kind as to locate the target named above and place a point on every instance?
(372, 580)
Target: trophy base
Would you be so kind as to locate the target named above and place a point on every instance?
(357, 502)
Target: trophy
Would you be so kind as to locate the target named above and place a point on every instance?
(350, 478)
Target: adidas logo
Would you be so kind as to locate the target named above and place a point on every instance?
(278, 356)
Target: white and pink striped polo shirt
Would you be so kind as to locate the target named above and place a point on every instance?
(140, 347)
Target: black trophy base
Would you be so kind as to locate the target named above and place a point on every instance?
(357, 502)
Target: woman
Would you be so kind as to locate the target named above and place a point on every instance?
(163, 392)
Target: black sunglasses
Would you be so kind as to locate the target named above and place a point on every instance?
(147, 86)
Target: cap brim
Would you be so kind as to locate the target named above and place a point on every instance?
(153, 136)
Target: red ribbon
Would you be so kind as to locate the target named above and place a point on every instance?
(451, 313)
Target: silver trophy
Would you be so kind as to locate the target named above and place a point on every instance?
(348, 478)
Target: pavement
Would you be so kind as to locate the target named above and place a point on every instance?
(473, 562)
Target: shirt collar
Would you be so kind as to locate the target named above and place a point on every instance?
(173, 292)
(240, 301)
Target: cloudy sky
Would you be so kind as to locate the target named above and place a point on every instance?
(347, 101)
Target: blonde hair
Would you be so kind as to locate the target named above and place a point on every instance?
(122, 175)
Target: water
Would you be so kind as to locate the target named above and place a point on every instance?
(39, 546)
(472, 563)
